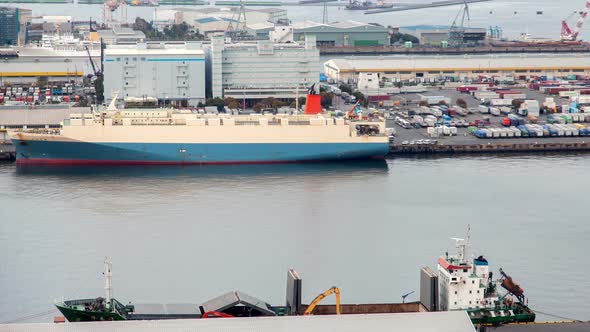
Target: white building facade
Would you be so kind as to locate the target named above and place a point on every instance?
(427, 68)
(263, 69)
(171, 73)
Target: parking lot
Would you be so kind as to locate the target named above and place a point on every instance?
(418, 136)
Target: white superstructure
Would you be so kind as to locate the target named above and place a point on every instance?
(262, 69)
(169, 72)
(462, 284)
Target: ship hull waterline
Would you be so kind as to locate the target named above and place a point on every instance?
(31, 152)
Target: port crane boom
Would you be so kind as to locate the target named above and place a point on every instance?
(567, 34)
(320, 297)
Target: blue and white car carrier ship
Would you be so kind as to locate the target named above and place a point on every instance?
(159, 136)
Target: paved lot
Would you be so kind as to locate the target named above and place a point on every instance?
(463, 137)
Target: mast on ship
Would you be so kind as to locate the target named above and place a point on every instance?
(108, 280)
(462, 246)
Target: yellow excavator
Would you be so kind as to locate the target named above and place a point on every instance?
(320, 297)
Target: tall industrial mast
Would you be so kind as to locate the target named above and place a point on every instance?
(236, 29)
(457, 31)
(566, 32)
(108, 9)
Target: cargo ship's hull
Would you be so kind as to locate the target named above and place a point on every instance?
(112, 153)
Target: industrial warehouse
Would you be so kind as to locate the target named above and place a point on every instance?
(427, 68)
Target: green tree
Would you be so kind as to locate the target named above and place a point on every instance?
(42, 81)
(258, 107)
(516, 103)
(345, 88)
(399, 38)
(301, 102)
(326, 99)
(272, 103)
(99, 89)
(461, 103)
(360, 96)
(231, 103)
(218, 102)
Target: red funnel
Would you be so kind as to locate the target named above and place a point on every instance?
(313, 104)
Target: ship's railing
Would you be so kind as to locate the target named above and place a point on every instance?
(299, 123)
(247, 123)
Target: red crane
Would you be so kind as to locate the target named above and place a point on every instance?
(567, 34)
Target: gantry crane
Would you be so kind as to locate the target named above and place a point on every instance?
(567, 34)
(457, 30)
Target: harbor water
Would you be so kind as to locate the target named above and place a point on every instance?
(513, 16)
(188, 234)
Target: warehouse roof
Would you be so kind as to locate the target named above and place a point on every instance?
(460, 62)
(210, 19)
(231, 299)
(425, 28)
(453, 321)
(109, 51)
(37, 116)
(338, 26)
(544, 327)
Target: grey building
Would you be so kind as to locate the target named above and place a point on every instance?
(262, 69)
(27, 64)
(13, 25)
(346, 33)
(169, 72)
(121, 35)
(434, 35)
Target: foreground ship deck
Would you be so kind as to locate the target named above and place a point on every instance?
(163, 136)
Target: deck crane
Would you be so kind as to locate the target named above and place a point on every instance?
(457, 30)
(97, 73)
(354, 111)
(512, 287)
(567, 34)
(320, 297)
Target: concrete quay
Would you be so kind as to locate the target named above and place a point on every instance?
(7, 152)
(496, 147)
(396, 50)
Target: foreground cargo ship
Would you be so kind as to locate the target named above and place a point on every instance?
(459, 284)
(167, 136)
(469, 285)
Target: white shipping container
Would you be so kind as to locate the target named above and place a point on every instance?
(501, 102)
(568, 94)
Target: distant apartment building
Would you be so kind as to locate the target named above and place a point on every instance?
(121, 35)
(170, 72)
(13, 25)
(262, 69)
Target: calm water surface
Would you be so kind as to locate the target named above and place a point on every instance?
(514, 16)
(191, 233)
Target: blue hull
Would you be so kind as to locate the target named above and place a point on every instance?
(178, 153)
